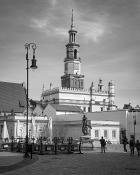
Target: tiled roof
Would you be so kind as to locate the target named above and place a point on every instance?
(66, 108)
(12, 97)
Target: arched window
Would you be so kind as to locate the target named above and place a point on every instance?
(75, 54)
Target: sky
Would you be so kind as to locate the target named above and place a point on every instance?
(108, 34)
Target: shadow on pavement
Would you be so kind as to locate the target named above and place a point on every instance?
(23, 163)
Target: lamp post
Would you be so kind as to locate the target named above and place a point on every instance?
(33, 66)
(134, 122)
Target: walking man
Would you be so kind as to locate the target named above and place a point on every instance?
(103, 144)
(132, 146)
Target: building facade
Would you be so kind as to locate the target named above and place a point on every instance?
(16, 127)
(72, 91)
(13, 115)
(71, 126)
(60, 120)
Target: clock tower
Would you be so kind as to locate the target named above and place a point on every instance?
(72, 77)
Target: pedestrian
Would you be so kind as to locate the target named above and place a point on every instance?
(137, 145)
(132, 146)
(103, 144)
(125, 142)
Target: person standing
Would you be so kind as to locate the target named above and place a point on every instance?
(103, 144)
(125, 142)
(132, 146)
(137, 145)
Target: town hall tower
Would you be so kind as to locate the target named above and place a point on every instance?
(72, 91)
(72, 77)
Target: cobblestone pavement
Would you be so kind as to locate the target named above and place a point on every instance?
(8, 158)
(89, 163)
(12, 161)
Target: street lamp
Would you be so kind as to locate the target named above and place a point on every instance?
(33, 66)
(134, 122)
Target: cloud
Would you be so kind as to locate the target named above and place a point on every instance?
(60, 31)
(91, 27)
(46, 27)
(41, 24)
(53, 2)
(92, 30)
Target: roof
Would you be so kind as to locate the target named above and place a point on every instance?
(66, 108)
(12, 97)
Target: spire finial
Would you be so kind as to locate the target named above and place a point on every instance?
(72, 20)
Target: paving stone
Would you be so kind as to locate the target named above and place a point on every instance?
(89, 163)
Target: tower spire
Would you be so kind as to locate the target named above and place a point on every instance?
(72, 77)
(72, 25)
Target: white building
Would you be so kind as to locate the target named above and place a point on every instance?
(71, 126)
(72, 90)
(109, 124)
(13, 116)
(16, 126)
(110, 130)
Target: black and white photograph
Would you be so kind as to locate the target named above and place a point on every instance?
(69, 87)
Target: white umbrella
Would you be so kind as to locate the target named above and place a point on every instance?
(18, 129)
(33, 132)
(50, 128)
(5, 133)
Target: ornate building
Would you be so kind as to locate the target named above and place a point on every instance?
(72, 90)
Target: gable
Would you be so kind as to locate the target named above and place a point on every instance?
(49, 111)
(38, 110)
